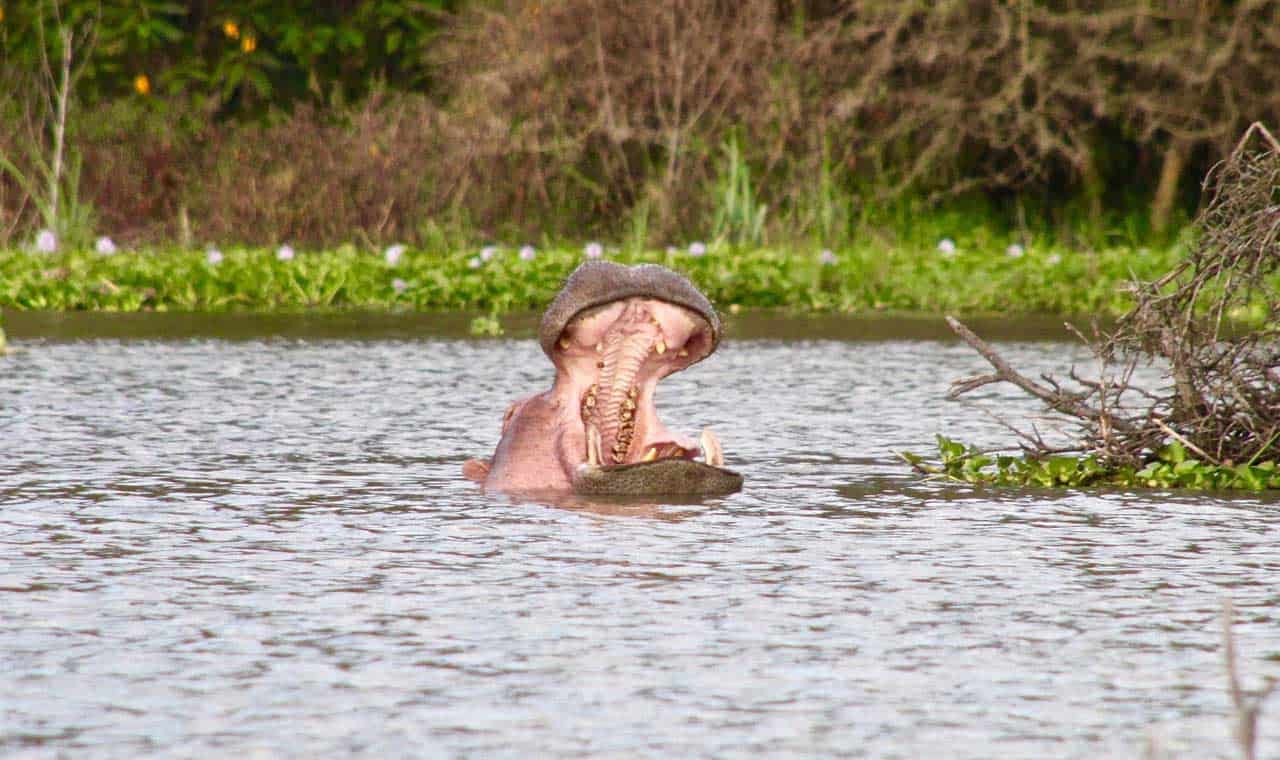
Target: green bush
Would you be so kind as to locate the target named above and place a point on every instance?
(242, 57)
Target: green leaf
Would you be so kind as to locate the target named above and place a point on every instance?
(1172, 453)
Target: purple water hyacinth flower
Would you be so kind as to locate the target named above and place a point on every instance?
(527, 253)
(474, 262)
(213, 256)
(1015, 251)
(593, 250)
(697, 249)
(104, 246)
(827, 257)
(672, 250)
(947, 247)
(285, 252)
(488, 252)
(393, 254)
(46, 241)
(399, 285)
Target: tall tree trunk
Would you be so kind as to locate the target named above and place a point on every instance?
(1175, 159)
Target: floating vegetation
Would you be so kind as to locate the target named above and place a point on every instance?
(1170, 467)
(486, 326)
(978, 277)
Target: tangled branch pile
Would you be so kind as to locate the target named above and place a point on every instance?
(1212, 324)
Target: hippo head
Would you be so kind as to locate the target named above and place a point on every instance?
(612, 333)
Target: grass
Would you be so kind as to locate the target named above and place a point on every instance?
(982, 275)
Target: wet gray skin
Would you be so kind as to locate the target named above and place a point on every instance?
(612, 333)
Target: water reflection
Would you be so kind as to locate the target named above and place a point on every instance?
(668, 509)
(264, 546)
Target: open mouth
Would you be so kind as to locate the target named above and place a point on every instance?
(613, 356)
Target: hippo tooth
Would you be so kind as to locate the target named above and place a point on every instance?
(564, 343)
(661, 347)
(650, 455)
(594, 447)
(683, 353)
(599, 347)
(712, 453)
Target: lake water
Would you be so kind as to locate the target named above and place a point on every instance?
(229, 537)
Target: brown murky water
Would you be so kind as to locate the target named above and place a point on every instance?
(230, 536)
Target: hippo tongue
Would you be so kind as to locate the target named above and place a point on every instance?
(667, 450)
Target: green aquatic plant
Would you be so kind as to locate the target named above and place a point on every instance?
(1170, 467)
(486, 326)
(979, 278)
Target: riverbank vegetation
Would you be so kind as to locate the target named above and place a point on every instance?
(971, 274)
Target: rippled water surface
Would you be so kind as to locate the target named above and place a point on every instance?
(258, 545)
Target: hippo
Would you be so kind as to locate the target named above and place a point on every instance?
(612, 332)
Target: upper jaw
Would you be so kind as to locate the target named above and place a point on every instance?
(609, 359)
(596, 284)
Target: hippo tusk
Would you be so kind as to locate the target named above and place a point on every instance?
(595, 447)
(712, 452)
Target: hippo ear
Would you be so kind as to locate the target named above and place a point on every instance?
(476, 469)
(515, 407)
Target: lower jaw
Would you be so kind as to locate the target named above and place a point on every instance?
(665, 478)
(623, 453)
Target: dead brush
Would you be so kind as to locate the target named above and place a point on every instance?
(592, 107)
(1211, 324)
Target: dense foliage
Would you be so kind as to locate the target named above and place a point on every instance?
(243, 56)
(752, 122)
